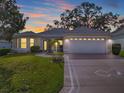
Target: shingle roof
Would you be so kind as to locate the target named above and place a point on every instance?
(88, 31)
(25, 34)
(61, 32)
(57, 32)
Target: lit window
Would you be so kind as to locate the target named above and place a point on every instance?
(23, 43)
(45, 45)
(31, 42)
(85, 39)
(60, 42)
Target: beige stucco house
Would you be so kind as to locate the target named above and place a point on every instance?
(80, 40)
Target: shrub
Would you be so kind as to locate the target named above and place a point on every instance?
(4, 51)
(35, 49)
(116, 48)
(122, 53)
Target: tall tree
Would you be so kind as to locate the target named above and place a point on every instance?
(56, 23)
(11, 20)
(89, 15)
(49, 27)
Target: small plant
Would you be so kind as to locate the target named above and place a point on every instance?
(58, 57)
(4, 51)
(35, 49)
(116, 48)
(122, 53)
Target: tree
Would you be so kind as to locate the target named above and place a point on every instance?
(11, 20)
(56, 23)
(89, 15)
(49, 27)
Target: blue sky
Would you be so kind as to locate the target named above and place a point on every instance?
(42, 12)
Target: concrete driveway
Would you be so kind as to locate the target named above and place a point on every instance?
(93, 74)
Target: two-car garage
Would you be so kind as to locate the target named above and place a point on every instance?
(86, 45)
(93, 42)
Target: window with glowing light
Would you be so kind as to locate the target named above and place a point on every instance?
(31, 42)
(60, 42)
(45, 45)
(23, 43)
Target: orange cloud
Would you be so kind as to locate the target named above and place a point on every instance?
(34, 28)
(34, 15)
(41, 23)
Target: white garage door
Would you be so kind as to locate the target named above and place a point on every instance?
(81, 46)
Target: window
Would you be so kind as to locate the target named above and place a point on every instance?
(45, 45)
(23, 43)
(31, 42)
(60, 42)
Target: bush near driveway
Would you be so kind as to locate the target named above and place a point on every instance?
(122, 53)
(4, 51)
(116, 48)
(30, 74)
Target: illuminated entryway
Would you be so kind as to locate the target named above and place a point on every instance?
(86, 45)
(54, 45)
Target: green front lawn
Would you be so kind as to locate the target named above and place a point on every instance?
(30, 74)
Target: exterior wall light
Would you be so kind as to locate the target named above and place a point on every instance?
(75, 39)
(93, 39)
(66, 40)
(80, 38)
(98, 39)
(84, 39)
(110, 41)
(71, 38)
(89, 38)
(102, 39)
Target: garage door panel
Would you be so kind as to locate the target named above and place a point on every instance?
(78, 46)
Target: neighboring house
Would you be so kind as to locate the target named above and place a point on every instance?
(5, 44)
(81, 40)
(118, 37)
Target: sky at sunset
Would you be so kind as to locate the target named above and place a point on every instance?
(42, 12)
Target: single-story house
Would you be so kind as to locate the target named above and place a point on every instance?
(118, 37)
(80, 40)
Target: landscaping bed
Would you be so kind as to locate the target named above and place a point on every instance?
(30, 74)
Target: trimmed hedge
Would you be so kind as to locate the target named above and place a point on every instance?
(116, 48)
(35, 49)
(4, 51)
(122, 53)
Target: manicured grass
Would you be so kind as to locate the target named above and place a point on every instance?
(30, 74)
